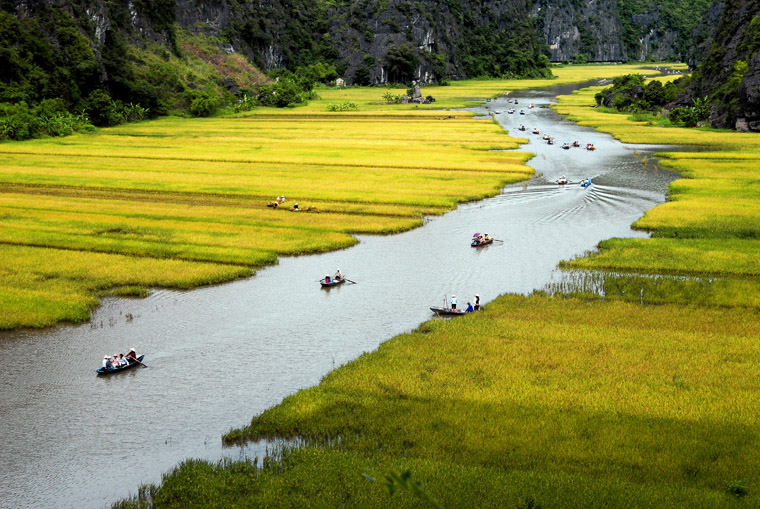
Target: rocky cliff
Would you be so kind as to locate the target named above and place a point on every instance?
(729, 74)
(618, 30)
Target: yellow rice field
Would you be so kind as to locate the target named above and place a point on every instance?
(195, 191)
(710, 225)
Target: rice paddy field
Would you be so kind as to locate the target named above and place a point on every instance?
(710, 225)
(183, 202)
(549, 401)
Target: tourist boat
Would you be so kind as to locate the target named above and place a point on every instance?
(531, 106)
(550, 141)
(576, 144)
(536, 131)
(590, 146)
(497, 112)
(481, 243)
(566, 146)
(546, 137)
(562, 180)
(447, 311)
(585, 182)
(104, 371)
(333, 282)
(522, 112)
(522, 128)
(511, 110)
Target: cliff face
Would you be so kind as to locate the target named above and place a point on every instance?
(729, 74)
(618, 30)
(590, 28)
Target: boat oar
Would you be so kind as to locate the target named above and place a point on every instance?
(354, 282)
(498, 240)
(139, 362)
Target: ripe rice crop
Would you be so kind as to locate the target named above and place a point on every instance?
(568, 402)
(710, 225)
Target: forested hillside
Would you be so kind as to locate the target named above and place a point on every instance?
(68, 63)
(729, 75)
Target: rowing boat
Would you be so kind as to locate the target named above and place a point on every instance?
(447, 311)
(104, 371)
(333, 282)
(476, 243)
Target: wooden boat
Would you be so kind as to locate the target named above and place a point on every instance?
(562, 181)
(333, 282)
(447, 311)
(104, 371)
(576, 144)
(477, 243)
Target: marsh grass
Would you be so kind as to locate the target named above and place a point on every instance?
(572, 402)
(710, 225)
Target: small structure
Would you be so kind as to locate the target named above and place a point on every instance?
(340, 82)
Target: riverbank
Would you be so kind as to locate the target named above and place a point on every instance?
(566, 402)
(181, 203)
(708, 230)
(555, 401)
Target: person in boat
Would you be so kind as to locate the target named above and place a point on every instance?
(123, 360)
(477, 302)
(105, 361)
(109, 364)
(469, 309)
(131, 356)
(338, 275)
(327, 279)
(453, 302)
(486, 237)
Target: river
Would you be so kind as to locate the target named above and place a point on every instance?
(219, 355)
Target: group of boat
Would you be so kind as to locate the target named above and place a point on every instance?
(563, 181)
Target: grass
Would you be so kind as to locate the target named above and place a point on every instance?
(709, 226)
(564, 401)
(196, 190)
(638, 406)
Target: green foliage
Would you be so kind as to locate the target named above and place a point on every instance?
(344, 106)
(289, 90)
(681, 16)
(204, 104)
(631, 93)
(50, 118)
(391, 98)
(402, 61)
(393, 481)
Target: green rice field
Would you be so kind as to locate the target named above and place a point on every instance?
(564, 402)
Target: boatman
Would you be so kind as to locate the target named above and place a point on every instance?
(131, 356)
(453, 302)
(338, 275)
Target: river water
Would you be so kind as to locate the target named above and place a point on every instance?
(221, 354)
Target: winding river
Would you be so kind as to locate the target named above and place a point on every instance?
(221, 354)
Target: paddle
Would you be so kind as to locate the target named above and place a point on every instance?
(139, 362)
(354, 282)
(498, 240)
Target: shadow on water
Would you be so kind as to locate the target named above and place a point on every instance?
(220, 355)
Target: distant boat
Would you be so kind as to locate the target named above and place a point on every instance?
(585, 182)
